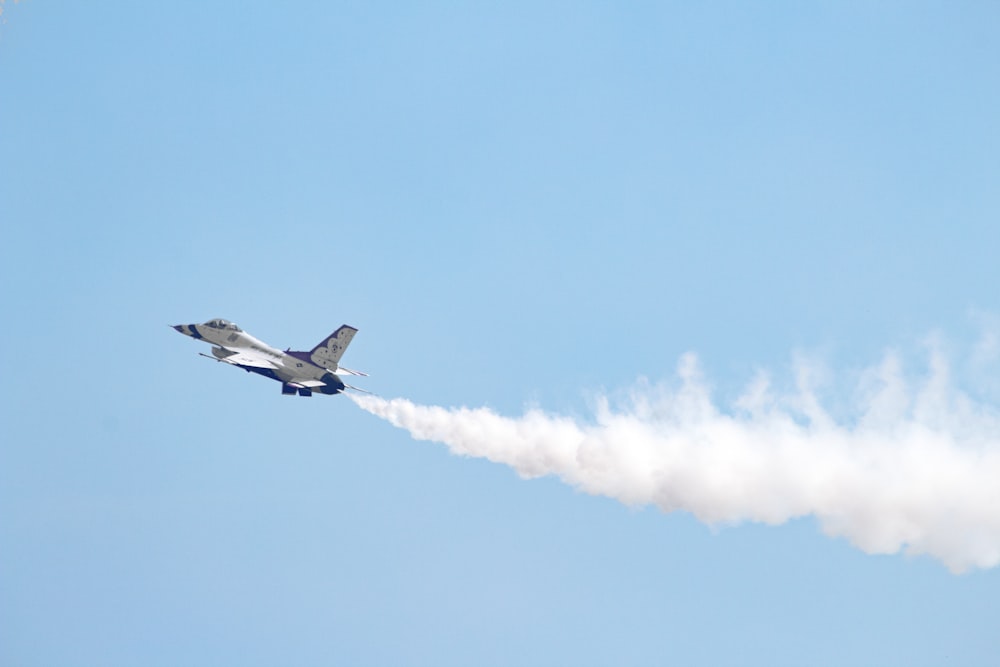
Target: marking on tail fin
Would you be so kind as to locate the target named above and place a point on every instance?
(327, 354)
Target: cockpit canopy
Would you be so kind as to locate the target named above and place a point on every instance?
(222, 324)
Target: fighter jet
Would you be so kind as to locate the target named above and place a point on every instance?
(299, 373)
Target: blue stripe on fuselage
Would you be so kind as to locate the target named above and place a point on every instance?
(194, 331)
(266, 372)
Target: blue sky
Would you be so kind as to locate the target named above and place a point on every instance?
(526, 205)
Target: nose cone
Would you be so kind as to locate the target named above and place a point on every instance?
(187, 330)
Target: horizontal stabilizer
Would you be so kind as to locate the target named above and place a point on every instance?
(306, 384)
(341, 369)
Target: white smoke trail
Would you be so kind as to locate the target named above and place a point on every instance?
(917, 469)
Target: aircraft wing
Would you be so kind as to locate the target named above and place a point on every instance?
(238, 358)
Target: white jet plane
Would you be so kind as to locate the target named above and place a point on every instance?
(298, 372)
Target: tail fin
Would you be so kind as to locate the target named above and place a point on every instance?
(328, 353)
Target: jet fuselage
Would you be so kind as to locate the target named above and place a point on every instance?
(299, 372)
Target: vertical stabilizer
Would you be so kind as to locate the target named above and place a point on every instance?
(328, 353)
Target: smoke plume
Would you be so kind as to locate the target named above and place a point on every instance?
(914, 468)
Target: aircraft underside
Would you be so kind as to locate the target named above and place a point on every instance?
(331, 383)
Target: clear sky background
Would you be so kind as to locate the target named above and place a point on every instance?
(521, 205)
